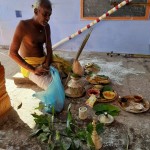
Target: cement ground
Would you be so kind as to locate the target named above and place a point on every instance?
(128, 75)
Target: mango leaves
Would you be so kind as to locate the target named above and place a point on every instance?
(110, 109)
(70, 137)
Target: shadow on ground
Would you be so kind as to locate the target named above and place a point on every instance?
(14, 133)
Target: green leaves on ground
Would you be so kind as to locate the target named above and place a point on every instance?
(70, 122)
(73, 138)
(99, 128)
(106, 88)
(41, 120)
(110, 109)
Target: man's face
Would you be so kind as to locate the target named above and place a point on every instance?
(44, 15)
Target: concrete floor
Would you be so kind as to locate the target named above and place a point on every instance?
(128, 75)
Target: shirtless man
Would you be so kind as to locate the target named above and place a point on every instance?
(27, 49)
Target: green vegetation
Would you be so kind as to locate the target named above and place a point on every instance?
(50, 130)
(107, 88)
(110, 109)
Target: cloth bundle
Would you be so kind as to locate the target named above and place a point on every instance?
(54, 96)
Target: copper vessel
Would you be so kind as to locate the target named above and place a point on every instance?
(75, 87)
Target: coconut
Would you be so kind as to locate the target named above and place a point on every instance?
(77, 68)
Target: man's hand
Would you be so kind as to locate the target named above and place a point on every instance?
(45, 66)
(40, 71)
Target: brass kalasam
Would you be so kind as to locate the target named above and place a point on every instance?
(75, 87)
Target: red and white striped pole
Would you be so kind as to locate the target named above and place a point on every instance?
(123, 3)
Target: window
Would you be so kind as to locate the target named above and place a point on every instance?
(135, 10)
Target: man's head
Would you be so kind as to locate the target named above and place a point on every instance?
(42, 11)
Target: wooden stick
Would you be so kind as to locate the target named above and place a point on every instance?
(67, 79)
(132, 3)
(128, 55)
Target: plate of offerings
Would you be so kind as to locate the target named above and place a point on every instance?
(107, 96)
(98, 79)
(134, 103)
(91, 68)
(93, 91)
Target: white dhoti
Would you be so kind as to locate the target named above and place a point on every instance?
(41, 81)
(61, 64)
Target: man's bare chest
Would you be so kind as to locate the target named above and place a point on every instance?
(35, 37)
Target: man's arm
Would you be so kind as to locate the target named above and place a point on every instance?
(49, 56)
(15, 45)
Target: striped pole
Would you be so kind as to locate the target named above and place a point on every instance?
(123, 3)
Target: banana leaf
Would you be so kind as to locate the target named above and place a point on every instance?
(110, 109)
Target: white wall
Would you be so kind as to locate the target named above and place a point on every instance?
(8, 20)
(117, 36)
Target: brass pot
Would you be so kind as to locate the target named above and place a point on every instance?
(75, 87)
